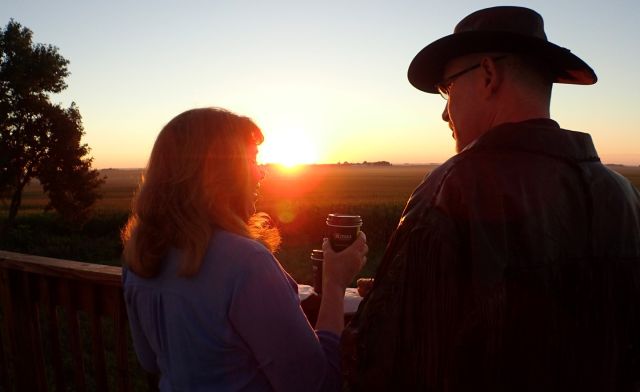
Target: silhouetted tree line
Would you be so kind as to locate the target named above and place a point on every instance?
(365, 163)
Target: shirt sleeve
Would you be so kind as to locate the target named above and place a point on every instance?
(265, 312)
(145, 353)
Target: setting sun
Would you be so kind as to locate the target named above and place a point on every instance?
(288, 148)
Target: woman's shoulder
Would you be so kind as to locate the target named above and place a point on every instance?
(236, 251)
(232, 241)
(242, 261)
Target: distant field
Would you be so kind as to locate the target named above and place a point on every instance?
(631, 172)
(283, 191)
(309, 185)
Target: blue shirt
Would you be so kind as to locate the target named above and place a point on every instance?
(237, 325)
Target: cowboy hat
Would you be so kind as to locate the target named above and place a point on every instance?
(498, 29)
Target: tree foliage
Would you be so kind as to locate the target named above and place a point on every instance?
(40, 139)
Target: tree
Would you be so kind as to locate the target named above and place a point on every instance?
(39, 139)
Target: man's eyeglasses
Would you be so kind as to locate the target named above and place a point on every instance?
(444, 85)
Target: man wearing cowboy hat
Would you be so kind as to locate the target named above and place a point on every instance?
(516, 263)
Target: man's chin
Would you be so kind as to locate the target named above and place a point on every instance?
(459, 145)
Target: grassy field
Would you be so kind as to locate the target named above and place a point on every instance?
(314, 184)
(297, 200)
(311, 185)
(307, 185)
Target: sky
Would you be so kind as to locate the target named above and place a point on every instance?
(325, 80)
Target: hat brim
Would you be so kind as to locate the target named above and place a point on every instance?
(428, 65)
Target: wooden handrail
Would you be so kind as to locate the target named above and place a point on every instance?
(64, 324)
(97, 273)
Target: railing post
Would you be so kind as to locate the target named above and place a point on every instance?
(22, 343)
(8, 330)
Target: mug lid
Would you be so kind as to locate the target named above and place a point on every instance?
(344, 220)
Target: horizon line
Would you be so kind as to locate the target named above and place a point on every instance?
(372, 163)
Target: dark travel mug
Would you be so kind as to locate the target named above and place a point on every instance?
(317, 257)
(342, 230)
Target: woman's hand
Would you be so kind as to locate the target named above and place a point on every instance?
(339, 268)
(338, 271)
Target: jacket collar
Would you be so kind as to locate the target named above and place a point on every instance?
(541, 136)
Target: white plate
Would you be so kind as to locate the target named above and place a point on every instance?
(304, 291)
(351, 297)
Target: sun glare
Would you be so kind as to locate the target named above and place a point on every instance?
(290, 169)
(288, 149)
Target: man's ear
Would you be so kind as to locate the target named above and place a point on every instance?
(491, 76)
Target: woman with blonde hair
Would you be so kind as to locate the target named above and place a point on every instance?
(210, 308)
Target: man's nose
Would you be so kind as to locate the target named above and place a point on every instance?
(445, 113)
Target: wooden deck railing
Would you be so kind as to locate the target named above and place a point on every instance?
(64, 327)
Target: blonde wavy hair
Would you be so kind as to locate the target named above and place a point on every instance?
(198, 179)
